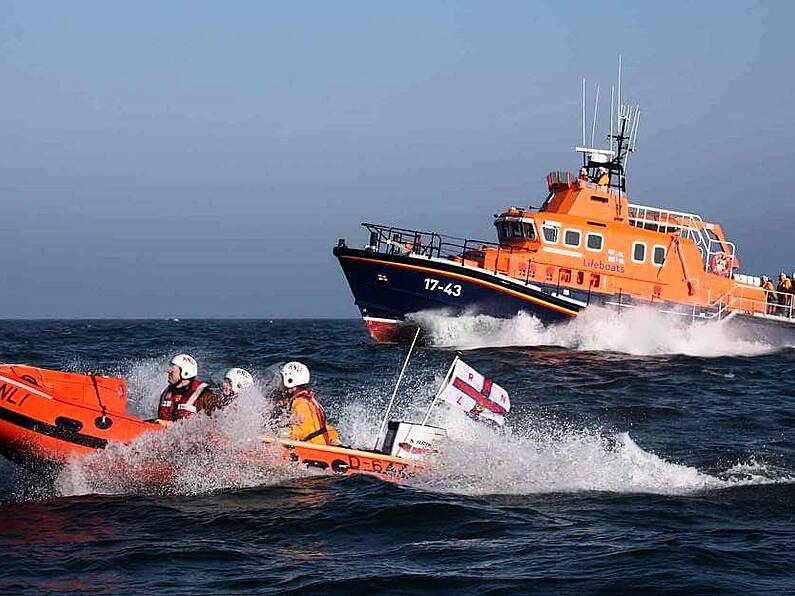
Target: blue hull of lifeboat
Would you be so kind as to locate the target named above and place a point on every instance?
(388, 287)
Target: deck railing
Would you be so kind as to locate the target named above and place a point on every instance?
(405, 241)
(744, 299)
(717, 256)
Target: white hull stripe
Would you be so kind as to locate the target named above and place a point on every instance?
(561, 251)
(380, 320)
(24, 387)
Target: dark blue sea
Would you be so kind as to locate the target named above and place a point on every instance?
(639, 456)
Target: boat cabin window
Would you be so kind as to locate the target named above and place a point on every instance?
(658, 256)
(594, 241)
(513, 230)
(571, 238)
(551, 233)
(529, 230)
(639, 252)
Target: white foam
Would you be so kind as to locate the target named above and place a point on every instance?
(639, 331)
(481, 461)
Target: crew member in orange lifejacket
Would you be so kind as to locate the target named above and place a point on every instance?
(770, 292)
(185, 395)
(602, 177)
(784, 290)
(307, 418)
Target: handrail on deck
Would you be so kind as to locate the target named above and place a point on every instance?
(775, 305)
(718, 256)
(394, 240)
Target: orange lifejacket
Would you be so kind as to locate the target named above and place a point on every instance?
(308, 420)
(175, 406)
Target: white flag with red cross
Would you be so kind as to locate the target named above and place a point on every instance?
(479, 397)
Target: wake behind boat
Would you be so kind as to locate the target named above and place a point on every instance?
(585, 245)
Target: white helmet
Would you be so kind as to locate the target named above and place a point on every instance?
(186, 364)
(239, 379)
(294, 374)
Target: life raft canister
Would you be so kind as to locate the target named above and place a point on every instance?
(175, 406)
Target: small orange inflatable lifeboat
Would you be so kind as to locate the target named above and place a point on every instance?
(48, 416)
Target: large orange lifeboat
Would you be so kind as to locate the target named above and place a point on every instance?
(583, 245)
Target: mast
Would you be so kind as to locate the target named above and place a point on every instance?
(612, 93)
(624, 122)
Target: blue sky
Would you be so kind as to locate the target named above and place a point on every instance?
(200, 159)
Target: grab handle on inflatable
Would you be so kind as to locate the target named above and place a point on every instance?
(69, 425)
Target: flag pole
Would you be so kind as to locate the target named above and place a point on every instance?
(394, 393)
(439, 391)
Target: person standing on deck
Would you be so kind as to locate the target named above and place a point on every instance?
(770, 294)
(602, 177)
(784, 289)
(792, 295)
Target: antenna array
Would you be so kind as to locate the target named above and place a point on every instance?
(623, 137)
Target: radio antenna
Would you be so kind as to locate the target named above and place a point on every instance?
(583, 112)
(595, 111)
(612, 93)
(619, 82)
(637, 125)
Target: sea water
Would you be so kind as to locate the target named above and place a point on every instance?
(641, 454)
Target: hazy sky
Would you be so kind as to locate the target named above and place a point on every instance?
(197, 159)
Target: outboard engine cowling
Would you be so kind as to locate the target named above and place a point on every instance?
(411, 441)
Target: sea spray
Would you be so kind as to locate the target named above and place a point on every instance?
(552, 458)
(637, 331)
(197, 455)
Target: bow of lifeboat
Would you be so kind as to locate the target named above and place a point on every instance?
(47, 416)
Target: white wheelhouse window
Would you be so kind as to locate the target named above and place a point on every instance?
(594, 242)
(551, 233)
(639, 252)
(572, 238)
(658, 255)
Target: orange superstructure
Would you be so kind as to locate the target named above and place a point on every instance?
(589, 238)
